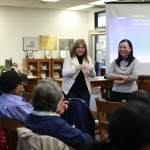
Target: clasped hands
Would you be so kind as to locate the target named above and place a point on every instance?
(83, 67)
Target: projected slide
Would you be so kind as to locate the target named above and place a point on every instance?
(132, 25)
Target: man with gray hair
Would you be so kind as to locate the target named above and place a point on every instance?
(45, 119)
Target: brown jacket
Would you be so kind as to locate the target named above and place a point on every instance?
(31, 141)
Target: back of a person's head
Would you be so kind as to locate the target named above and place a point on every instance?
(140, 95)
(96, 145)
(129, 127)
(46, 95)
(9, 81)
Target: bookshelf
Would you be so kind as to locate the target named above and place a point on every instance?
(38, 68)
(57, 64)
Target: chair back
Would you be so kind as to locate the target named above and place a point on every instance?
(104, 109)
(9, 126)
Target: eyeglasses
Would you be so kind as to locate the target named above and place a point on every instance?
(22, 83)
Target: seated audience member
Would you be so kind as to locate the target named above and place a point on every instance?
(12, 104)
(140, 95)
(129, 127)
(96, 145)
(45, 119)
(3, 144)
(0, 92)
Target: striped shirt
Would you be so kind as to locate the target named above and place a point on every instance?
(14, 106)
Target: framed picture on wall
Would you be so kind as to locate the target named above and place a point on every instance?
(63, 53)
(48, 54)
(30, 43)
(30, 54)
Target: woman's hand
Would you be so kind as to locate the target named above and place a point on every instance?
(86, 68)
(124, 79)
(62, 106)
(127, 79)
(79, 67)
(119, 81)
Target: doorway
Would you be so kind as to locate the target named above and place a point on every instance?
(97, 49)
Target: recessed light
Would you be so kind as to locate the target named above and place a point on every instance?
(101, 2)
(50, 0)
(80, 7)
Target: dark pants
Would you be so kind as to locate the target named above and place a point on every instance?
(118, 96)
(83, 94)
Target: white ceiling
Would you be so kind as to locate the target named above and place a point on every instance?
(62, 4)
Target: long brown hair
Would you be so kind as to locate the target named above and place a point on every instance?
(75, 45)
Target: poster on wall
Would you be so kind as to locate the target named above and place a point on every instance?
(101, 44)
(30, 43)
(48, 42)
(65, 44)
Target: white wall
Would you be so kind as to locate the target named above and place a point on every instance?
(16, 23)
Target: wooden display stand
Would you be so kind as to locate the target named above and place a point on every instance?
(41, 68)
(57, 64)
(38, 69)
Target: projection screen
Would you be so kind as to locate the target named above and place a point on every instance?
(129, 21)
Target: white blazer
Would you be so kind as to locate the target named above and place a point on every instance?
(69, 73)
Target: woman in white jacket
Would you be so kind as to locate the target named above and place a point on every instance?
(77, 70)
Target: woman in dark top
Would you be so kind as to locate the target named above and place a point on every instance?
(77, 70)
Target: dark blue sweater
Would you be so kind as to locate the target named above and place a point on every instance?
(57, 127)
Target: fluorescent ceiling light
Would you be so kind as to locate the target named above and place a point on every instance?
(50, 0)
(101, 2)
(80, 7)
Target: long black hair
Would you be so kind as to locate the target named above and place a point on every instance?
(130, 57)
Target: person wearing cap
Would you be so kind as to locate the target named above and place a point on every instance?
(12, 104)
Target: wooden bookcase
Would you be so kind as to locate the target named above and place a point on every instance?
(57, 64)
(40, 68)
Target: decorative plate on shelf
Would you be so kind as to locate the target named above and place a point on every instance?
(43, 75)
